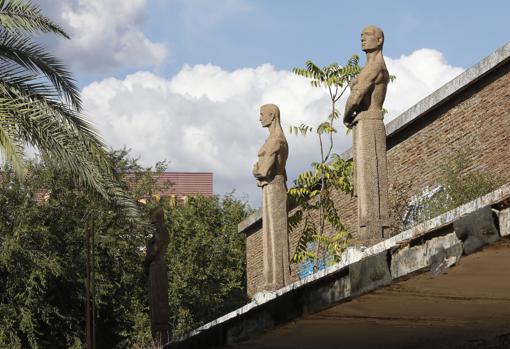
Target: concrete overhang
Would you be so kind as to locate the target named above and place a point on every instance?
(441, 284)
(470, 302)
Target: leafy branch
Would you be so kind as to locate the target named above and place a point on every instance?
(312, 191)
(40, 105)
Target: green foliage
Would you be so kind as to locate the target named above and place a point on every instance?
(42, 263)
(25, 16)
(312, 194)
(312, 191)
(42, 260)
(206, 259)
(40, 105)
(333, 75)
(456, 186)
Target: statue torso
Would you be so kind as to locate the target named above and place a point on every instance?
(280, 159)
(374, 98)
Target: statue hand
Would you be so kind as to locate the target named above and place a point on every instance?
(353, 82)
(348, 122)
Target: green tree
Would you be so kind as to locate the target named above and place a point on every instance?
(42, 260)
(206, 259)
(42, 264)
(40, 105)
(312, 190)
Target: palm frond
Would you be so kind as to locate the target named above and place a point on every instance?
(10, 147)
(40, 124)
(24, 16)
(40, 105)
(33, 57)
(15, 81)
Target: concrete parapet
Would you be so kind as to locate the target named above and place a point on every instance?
(436, 254)
(387, 286)
(504, 222)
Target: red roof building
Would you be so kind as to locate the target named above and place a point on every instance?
(176, 185)
(182, 184)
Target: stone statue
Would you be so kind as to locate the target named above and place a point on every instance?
(363, 113)
(158, 278)
(271, 176)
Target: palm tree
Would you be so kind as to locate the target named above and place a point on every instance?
(40, 106)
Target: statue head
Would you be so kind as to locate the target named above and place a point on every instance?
(268, 114)
(372, 38)
(158, 216)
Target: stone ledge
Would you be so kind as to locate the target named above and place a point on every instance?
(250, 221)
(433, 253)
(504, 222)
(451, 88)
(438, 250)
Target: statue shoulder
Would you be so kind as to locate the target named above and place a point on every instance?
(380, 66)
(383, 75)
(275, 144)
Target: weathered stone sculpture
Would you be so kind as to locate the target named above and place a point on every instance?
(363, 113)
(271, 176)
(158, 278)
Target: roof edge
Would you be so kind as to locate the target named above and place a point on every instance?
(450, 89)
(354, 255)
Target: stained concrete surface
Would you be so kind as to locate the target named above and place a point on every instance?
(471, 302)
(422, 288)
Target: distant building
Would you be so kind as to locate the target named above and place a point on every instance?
(174, 185)
(179, 185)
(182, 184)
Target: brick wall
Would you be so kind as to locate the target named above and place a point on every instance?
(254, 261)
(475, 119)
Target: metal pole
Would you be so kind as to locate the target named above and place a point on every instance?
(88, 328)
(93, 288)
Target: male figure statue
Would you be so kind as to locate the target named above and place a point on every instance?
(363, 113)
(156, 268)
(270, 174)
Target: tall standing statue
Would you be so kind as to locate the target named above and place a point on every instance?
(158, 278)
(363, 113)
(270, 174)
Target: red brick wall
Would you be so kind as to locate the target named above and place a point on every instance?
(476, 120)
(254, 261)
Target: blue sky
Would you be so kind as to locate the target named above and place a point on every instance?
(286, 33)
(181, 80)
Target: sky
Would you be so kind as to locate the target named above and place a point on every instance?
(182, 80)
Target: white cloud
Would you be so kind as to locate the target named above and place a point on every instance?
(206, 118)
(106, 35)
(418, 75)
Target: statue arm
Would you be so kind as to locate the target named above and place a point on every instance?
(264, 166)
(150, 253)
(266, 162)
(160, 237)
(362, 84)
